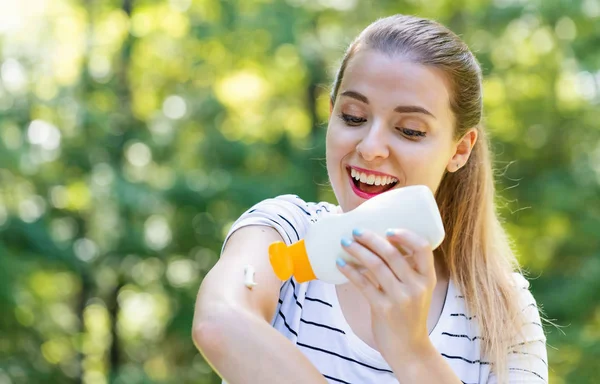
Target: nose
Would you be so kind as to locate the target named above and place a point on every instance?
(374, 143)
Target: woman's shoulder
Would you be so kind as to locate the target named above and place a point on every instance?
(289, 214)
(525, 297)
(295, 199)
(526, 300)
(295, 204)
(520, 281)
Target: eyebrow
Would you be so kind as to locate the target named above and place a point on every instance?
(399, 109)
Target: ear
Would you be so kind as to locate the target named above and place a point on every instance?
(462, 150)
(330, 107)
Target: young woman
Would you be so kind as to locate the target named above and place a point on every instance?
(406, 109)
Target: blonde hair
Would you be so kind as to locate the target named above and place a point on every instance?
(476, 250)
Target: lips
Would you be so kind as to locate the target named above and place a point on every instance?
(356, 185)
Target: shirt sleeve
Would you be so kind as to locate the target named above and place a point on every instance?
(288, 214)
(528, 358)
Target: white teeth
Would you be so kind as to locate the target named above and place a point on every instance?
(372, 179)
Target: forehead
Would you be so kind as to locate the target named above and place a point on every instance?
(392, 80)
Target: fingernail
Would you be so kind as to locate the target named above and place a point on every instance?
(390, 232)
(357, 232)
(346, 241)
(341, 262)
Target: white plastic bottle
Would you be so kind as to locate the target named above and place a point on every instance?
(413, 208)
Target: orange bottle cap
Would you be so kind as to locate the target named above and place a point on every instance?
(302, 269)
(293, 260)
(281, 262)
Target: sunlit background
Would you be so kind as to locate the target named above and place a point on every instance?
(134, 132)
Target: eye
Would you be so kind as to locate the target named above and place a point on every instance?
(411, 133)
(352, 120)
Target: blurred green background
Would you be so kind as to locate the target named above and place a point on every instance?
(134, 132)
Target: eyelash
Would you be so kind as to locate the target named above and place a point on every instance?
(354, 121)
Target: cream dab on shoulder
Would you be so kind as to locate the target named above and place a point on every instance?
(249, 277)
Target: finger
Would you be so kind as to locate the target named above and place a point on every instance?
(408, 256)
(389, 253)
(367, 259)
(369, 275)
(370, 291)
(418, 247)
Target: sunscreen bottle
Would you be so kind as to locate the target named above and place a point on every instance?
(413, 208)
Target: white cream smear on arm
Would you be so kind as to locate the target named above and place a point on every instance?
(249, 277)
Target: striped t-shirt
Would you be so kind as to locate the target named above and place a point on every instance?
(309, 315)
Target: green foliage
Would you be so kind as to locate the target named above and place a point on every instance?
(132, 134)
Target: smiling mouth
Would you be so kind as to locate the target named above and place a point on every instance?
(366, 190)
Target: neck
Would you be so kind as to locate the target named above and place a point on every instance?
(441, 269)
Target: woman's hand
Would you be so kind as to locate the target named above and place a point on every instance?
(399, 289)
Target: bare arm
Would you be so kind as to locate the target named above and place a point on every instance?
(232, 323)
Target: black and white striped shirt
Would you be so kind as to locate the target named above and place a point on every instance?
(309, 315)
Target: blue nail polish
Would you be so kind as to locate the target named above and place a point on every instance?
(390, 232)
(357, 232)
(346, 241)
(341, 262)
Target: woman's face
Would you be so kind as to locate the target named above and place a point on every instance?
(391, 126)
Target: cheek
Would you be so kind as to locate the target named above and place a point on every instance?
(339, 146)
(336, 143)
(423, 164)
(331, 152)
